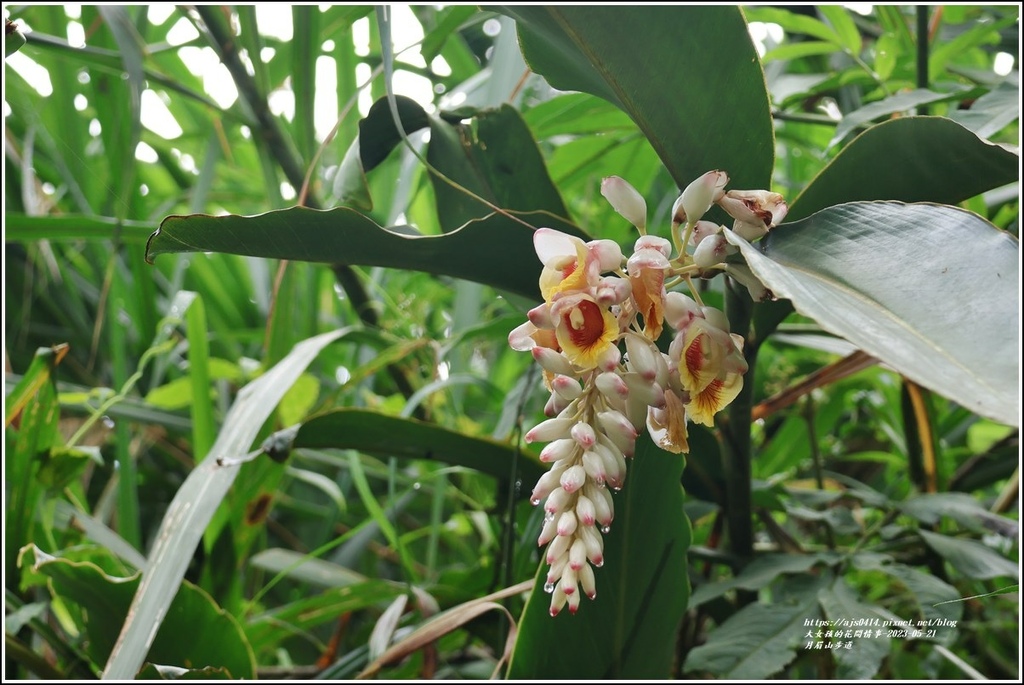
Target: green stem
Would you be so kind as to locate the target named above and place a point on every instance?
(736, 432)
(922, 53)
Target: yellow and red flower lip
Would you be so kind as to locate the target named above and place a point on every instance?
(586, 331)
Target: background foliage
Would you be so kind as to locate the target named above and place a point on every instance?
(383, 525)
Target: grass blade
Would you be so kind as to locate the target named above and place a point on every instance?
(194, 505)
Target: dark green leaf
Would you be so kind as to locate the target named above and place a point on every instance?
(913, 159)
(971, 558)
(195, 632)
(390, 436)
(629, 630)
(760, 573)
(992, 112)
(901, 102)
(792, 22)
(946, 312)
(931, 594)
(760, 639)
(864, 658)
(495, 250)
(962, 508)
(698, 93)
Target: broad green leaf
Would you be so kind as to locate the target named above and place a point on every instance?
(760, 573)
(913, 159)
(864, 658)
(449, 20)
(195, 632)
(887, 50)
(195, 503)
(791, 22)
(32, 408)
(962, 508)
(934, 597)
(495, 157)
(629, 630)
(495, 250)
(576, 113)
(498, 159)
(929, 290)
(971, 558)
(900, 102)
(390, 436)
(698, 93)
(316, 609)
(788, 51)
(839, 18)
(306, 569)
(992, 112)
(760, 639)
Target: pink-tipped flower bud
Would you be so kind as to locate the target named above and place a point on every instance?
(584, 435)
(625, 200)
(716, 317)
(552, 361)
(547, 532)
(558, 547)
(712, 251)
(549, 430)
(619, 430)
(680, 310)
(558, 449)
(594, 466)
(567, 523)
(698, 197)
(613, 290)
(567, 387)
(756, 207)
(594, 544)
(611, 385)
(573, 602)
(642, 356)
(585, 512)
(569, 584)
(558, 600)
(577, 555)
(556, 501)
(540, 316)
(653, 242)
(573, 478)
(588, 582)
(702, 230)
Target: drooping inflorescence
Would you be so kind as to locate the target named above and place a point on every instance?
(599, 304)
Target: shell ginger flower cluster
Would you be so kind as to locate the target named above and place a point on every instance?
(594, 336)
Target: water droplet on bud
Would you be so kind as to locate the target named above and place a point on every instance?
(606, 529)
(535, 502)
(549, 588)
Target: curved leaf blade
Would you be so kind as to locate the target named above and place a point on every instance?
(629, 630)
(195, 631)
(391, 436)
(195, 504)
(495, 250)
(913, 159)
(929, 290)
(761, 639)
(698, 94)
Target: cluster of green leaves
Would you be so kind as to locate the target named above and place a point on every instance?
(287, 452)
